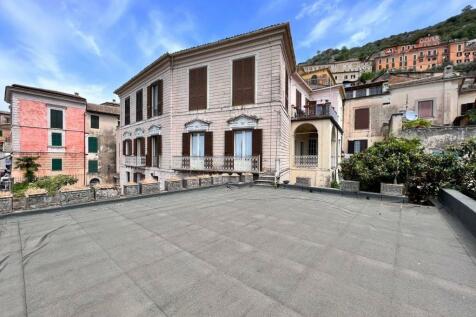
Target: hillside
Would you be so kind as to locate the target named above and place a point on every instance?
(460, 26)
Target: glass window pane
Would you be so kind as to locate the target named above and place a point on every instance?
(248, 143)
(238, 143)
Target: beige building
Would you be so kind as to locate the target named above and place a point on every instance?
(102, 122)
(220, 107)
(375, 110)
(343, 71)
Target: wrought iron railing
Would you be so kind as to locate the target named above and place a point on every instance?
(217, 163)
(316, 111)
(306, 161)
(134, 160)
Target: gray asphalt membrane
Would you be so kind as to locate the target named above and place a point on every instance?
(238, 252)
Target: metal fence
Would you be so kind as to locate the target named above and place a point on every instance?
(217, 163)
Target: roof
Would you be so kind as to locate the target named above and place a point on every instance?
(105, 108)
(281, 27)
(40, 91)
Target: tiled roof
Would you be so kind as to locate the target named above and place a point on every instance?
(106, 108)
(24, 88)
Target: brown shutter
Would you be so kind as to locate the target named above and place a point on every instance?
(257, 148)
(243, 81)
(286, 91)
(197, 84)
(350, 147)
(236, 83)
(185, 144)
(361, 120)
(158, 140)
(229, 149)
(208, 143)
(135, 147)
(149, 102)
(142, 146)
(160, 88)
(124, 143)
(298, 99)
(425, 109)
(148, 157)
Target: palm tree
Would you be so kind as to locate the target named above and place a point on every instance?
(28, 165)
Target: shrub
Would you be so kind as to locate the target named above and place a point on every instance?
(29, 166)
(418, 123)
(53, 183)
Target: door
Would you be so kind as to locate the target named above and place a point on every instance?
(197, 147)
(243, 150)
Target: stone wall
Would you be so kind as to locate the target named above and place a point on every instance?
(173, 184)
(6, 204)
(131, 189)
(438, 138)
(104, 193)
(78, 196)
(150, 188)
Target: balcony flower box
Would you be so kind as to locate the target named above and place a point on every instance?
(350, 186)
(234, 178)
(191, 182)
(6, 202)
(173, 184)
(149, 187)
(392, 189)
(247, 178)
(131, 189)
(75, 195)
(217, 179)
(106, 191)
(205, 180)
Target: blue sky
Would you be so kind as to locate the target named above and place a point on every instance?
(92, 47)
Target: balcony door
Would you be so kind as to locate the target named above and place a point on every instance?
(243, 150)
(197, 149)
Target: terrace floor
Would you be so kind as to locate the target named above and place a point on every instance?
(238, 251)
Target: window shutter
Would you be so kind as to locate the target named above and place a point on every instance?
(148, 156)
(229, 143)
(208, 143)
(298, 99)
(56, 164)
(92, 144)
(237, 99)
(160, 88)
(363, 145)
(425, 109)
(158, 140)
(92, 166)
(56, 119)
(127, 111)
(56, 139)
(135, 147)
(361, 120)
(257, 148)
(124, 144)
(185, 144)
(139, 105)
(94, 122)
(286, 90)
(197, 84)
(149, 101)
(350, 147)
(243, 81)
(142, 147)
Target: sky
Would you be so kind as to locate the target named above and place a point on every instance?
(93, 46)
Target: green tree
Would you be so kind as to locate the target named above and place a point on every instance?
(29, 166)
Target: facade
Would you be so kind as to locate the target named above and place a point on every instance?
(219, 107)
(102, 122)
(376, 110)
(317, 78)
(343, 71)
(427, 53)
(5, 140)
(48, 124)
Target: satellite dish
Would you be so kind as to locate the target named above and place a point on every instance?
(411, 115)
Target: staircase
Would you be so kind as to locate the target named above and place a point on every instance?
(265, 180)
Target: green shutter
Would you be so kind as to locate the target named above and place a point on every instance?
(56, 139)
(56, 164)
(92, 144)
(56, 119)
(92, 166)
(1, 132)
(94, 122)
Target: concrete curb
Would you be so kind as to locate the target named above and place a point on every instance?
(28, 212)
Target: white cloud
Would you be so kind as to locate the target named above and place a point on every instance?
(358, 38)
(319, 6)
(321, 29)
(87, 39)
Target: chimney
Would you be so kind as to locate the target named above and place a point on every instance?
(76, 94)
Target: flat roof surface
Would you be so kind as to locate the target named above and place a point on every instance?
(238, 251)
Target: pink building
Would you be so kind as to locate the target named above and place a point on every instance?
(51, 125)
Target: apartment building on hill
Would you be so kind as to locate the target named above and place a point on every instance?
(343, 71)
(225, 106)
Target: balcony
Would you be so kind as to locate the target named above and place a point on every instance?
(316, 111)
(134, 161)
(217, 163)
(306, 161)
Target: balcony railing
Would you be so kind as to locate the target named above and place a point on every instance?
(217, 163)
(306, 161)
(315, 111)
(136, 161)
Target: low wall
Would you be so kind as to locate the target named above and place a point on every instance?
(6, 204)
(79, 196)
(462, 206)
(438, 138)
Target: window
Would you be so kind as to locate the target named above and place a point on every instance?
(1, 133)
(94, 122)
(197, 92)
(243, 143)
(56, 119)
(92, 144)
(92, 166)
(360, 92)
(156, 97)
(197, 144)
(56, 139)
(361, 119)
(243, 81)
(425, 109)
(312, 147)
(466, 107)
(357, 146)
(139, 105)
(127, 111)
(298, 99)
(377, 90)
(56, 164)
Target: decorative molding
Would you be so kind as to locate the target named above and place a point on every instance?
(243, 121)
(154, 129)
(197, 125)
(126, 135)
(138, 132)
